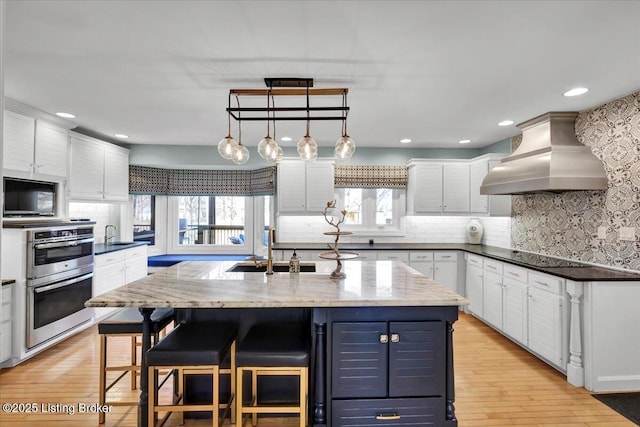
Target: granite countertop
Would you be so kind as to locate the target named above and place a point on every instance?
(208, 284)
(572, 270)
(7, 281)
(101, 248)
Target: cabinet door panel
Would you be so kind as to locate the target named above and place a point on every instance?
(545, 325)
(86, 174)
(456, 188)
(474, 289)
(478, 202)
(116, 175)
(492, 293)
(514, 313)
(446, 273)
(18, 135)
(291, 186)
(319, 187)
(51, 150)
(416, 359)
(427, 188)
(359, 360)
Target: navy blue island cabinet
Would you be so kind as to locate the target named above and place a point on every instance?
(384, 366)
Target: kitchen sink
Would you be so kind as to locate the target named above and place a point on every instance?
(278, 267)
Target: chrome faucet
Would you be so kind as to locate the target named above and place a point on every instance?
(271, 239)
(106, 233)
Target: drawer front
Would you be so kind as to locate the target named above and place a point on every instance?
(388, 412)
(393, 256)
(135, 252)
(109, 258)
(359, 360)
(475, 260)
(546, 282)
(516, 273)
(421, 256)
(493, 266)
(445, 256)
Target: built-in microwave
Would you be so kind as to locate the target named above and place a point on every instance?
(23, 197)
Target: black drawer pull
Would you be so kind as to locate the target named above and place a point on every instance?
(388, 417)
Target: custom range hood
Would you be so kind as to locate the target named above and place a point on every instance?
(549, 159)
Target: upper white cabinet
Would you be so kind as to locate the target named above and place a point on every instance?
(438, 187)
(482, 203)
(34, 146)
(99, 170)
(304, 187)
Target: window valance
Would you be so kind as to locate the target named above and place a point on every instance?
(195, 182)
(370, 176)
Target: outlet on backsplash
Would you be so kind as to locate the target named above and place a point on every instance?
(627, 233)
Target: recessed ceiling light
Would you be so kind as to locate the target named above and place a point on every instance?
(405, 141)
(576, 91)
(66, 115)
(121, 135)
(464, 141)
(285, 139)
(505, 123)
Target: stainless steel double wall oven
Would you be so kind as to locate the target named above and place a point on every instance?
(59, 280)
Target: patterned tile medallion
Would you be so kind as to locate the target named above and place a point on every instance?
(566, 224)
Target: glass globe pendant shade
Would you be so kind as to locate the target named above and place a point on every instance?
(345, 147)
(241, 155)
(266, 147)
(275, 156)
(308, 149)
(227, 147)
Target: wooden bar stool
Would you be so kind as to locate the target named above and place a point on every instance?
(194, 349)
(273, 349)
(126, 322)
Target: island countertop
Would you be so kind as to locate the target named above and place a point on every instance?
(208, 284)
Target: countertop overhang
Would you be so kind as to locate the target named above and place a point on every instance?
(209, 284)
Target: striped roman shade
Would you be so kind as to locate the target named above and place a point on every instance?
(195, 182)
(370, 176)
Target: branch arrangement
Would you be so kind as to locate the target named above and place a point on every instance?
(334, 223)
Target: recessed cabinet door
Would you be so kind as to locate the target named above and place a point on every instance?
(87, 170)
(51, 149)
(425, 188)
(19, 134)
(514, 298)
(291, 186)
(474, 289)
(116, 175)
(478, 202)
(359, 359)
(493, 299)
(545, 324)
(319, 186)
(416, 359)
(456, 188)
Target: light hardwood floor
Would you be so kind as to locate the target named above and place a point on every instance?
(497, 384)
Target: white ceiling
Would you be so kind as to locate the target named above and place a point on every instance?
(433, 71)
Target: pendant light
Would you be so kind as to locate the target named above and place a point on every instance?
(228, 146)
(268, 147)
(345, 145)
(241, 154)
(307, 146)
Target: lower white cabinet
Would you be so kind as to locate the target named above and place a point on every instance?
(475, 285)
(445, 269)
(423, 262)
(117, 268)
(514, 310)
(545, 317)
(6, 335)
(393, 256)
(493, 298)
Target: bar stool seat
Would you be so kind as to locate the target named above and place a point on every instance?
(274, 349)
(126, 322)
(194, 349)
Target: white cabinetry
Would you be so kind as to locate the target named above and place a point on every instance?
(99, 170)
(492, 298)
(545, 316)
(33, 146)
(423, 262)
(393, 256)
(514, 314)
(304, 187)
(437, 187)
(475, 277)
(482, 203)
(117, 268)
(6, 335)
(445, 269)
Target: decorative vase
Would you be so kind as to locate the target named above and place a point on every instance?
(474, 231)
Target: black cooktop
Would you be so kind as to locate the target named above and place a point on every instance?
(542, 261)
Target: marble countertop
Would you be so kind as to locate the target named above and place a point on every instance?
(208, 284)
(567, 269)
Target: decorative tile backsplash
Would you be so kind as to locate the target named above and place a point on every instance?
(566, 224)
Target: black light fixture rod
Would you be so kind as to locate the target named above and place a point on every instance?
(265, 110)
(277, 119)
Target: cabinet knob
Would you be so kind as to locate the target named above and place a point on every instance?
(384, 338)
(395, 338)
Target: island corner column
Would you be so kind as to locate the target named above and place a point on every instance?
(450, 415)
(143, 406)
(319, 395)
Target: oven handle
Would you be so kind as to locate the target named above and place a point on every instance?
(41, 289)
(62, 244)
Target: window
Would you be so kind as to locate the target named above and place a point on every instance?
(209, 220)
(144, 218)
(371, 208)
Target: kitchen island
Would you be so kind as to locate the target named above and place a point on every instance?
(388, 307)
